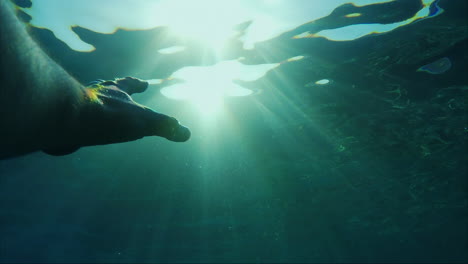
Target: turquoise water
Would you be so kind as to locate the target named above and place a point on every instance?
(282, 166)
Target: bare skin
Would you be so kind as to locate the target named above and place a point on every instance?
(42, 107)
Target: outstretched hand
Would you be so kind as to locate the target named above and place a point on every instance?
(42, 107)
(109, 115)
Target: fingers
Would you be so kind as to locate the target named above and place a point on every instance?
(167, 127)
(181, 134)
(132, 85)
(114, 117)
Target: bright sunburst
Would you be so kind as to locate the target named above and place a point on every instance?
(207, 86)
(208, 21)
(212, 23)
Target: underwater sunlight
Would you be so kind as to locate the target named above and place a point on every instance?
(234, 131)
(210, 23)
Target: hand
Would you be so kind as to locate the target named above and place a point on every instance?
(43, 108)
(109, 115)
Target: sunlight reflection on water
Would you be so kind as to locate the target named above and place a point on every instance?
(209, 22)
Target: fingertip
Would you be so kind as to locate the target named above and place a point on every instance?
(181, 134)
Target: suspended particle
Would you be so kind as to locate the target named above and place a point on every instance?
(322, 82)
(297, 58)
(353, 15)
(437, 67)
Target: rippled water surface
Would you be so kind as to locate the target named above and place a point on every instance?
(322, 131)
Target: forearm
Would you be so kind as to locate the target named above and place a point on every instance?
(43, 108)
(36, 94)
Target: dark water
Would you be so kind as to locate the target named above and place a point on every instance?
(369, 168)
